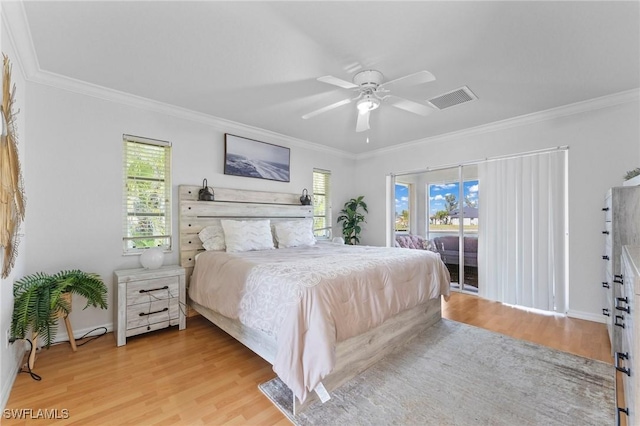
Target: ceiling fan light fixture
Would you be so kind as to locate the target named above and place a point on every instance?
(367, 104)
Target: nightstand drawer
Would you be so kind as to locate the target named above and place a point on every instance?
(145, 290)
(151, 327)
(144, 314)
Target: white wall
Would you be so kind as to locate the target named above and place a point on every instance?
(604, 144)
(9, 356)
(74, 180)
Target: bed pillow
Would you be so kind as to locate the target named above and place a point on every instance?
(295, 233)
(212, 237)
(247, 235)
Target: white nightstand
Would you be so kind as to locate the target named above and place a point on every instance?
(149, 299)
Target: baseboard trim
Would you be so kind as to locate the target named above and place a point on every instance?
(588, 316)
(62, 335)
(15, 369)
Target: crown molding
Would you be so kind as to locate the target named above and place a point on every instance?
(594, 104)
(15, 19)
(227, 126)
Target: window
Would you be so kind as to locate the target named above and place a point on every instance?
(403, 207)
(444, 208)
(147, 194)
(321, 203)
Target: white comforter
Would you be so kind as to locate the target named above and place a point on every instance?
(310, 298)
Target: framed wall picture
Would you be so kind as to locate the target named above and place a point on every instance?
(251, 158)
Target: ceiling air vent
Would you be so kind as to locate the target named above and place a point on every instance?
(455, 97)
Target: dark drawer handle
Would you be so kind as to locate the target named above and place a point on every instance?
(626, 309)
(605, 284)
(620, 356)
(605, 257)
(142, 314)
(605, 312)
(622, 410)
(605, 209)
(619, 324)
(618, 279)
(605, 232)
(155, 289)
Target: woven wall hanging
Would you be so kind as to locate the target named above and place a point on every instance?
(12, 201)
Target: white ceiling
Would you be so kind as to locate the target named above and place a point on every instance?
(256, 63)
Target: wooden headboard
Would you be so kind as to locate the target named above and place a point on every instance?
(229, 204)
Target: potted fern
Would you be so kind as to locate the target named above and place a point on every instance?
(41, 299)
(351, 219)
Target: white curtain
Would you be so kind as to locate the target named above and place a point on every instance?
(522, 236)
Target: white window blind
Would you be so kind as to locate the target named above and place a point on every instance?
(147, 194)
(522, 233)
(322, 203)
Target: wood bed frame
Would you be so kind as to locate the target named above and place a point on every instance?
(353, 355)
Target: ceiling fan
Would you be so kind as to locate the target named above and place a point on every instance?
(371, 92)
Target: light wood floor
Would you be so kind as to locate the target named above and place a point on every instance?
(203, 376)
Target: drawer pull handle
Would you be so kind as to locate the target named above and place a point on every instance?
(620, 356)
(619, 324)
(605, 257)
(605, 232)
(605, 284)
(605, 209)
(142, 314)
(618, 279)
(166, 287)
(626, 309)
(605, 312)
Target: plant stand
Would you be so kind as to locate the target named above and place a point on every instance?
(67, 323)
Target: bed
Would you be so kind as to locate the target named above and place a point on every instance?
(317, 319)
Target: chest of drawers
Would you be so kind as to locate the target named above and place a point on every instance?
(148, 300)
(627, 359)
(621, 227)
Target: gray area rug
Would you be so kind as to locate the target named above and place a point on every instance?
(456, 374)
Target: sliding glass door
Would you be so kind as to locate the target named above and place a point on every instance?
(452, 222)
(511, 245)
(470, 199)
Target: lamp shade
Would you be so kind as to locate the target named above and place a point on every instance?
(152, 258)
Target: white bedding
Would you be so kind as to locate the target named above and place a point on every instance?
(310, 298)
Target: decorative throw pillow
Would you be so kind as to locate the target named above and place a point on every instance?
(247, 235)
(430, 245)
(212, 237)
(295, 233)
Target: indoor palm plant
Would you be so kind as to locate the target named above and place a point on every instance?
(351, 219)
(40, 299)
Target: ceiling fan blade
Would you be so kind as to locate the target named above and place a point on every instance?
(363, 122)
(412, 79)
(325, 109)
(329, 79)
(410, 106)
